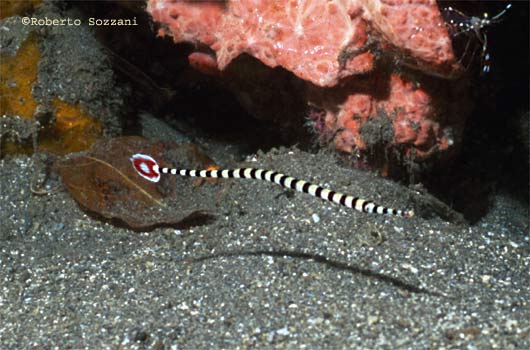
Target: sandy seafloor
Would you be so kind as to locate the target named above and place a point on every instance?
(274, 270)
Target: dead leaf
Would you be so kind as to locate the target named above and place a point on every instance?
(104, 181)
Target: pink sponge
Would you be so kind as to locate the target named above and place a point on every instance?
(333, 46)
(420, 119)
(319, 41)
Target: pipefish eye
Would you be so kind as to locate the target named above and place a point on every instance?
(146, 167)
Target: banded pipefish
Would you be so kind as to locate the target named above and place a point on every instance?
(149, 169)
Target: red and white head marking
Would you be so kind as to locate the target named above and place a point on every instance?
(146, 167)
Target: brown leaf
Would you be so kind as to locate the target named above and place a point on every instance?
(104, 181)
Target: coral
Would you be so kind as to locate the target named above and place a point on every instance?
(418, 119)
(333, 45)
(204, 63)
(319, 41)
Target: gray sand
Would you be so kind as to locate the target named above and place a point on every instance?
(273, 270)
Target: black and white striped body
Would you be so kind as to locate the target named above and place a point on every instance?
(356, 203)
